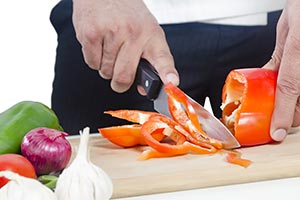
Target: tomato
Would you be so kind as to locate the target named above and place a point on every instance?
(247, 102)
(16, 163)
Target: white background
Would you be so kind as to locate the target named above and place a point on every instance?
(27, 51)
(27, 55)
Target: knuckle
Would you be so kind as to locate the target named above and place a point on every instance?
(294, 47)
(163, 57)
(137, 27)
(289, 86)
(134, 29)
(156, 29)
(276, 58)
(113, 29)
(91, 35)
(163, 54)
(108, 55)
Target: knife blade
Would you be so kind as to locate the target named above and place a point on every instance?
(148, 78)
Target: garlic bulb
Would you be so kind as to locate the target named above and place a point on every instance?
(23, 188)
(82, 179)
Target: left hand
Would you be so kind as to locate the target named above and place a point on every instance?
(286, 60)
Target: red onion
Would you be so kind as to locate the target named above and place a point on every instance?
(47, 149)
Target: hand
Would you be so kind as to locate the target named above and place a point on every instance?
(286, 60)
(114, 36)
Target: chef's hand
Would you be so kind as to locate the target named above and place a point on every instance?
(286, 60)
(114, 36)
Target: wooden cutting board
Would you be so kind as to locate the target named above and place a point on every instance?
(132, 177)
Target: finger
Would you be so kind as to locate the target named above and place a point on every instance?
(288, 87)
(141, 90)
(282, 32)
(296, 121)
(111, 46)
(92, 54)
(125, 67)
(157, 52)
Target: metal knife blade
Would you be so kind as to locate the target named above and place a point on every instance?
(148, 78)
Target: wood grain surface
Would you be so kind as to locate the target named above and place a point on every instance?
(132, 177)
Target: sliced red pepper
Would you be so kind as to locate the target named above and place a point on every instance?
(170, 137)
(177, 98)
(152, 153)
(127, 135)
(181, 146)
(183, 112)
(247, 102)
(234, 157)
(178, 127)
(135, 116)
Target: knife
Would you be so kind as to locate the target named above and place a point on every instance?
(148, 78)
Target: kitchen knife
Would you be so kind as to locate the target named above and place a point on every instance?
(148, 78)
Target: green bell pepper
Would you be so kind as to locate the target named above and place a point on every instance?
(19, 119)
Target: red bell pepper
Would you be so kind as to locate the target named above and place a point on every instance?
(128, 135)
(247, 102)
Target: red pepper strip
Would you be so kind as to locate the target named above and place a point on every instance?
(152, 153)
(174, 125)
(187, 118)
(234, 157)
(181, 146)
(127, 135)
(176, 94)
(135, 116)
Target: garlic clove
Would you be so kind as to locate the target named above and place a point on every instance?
(83, 179)
(23, 188)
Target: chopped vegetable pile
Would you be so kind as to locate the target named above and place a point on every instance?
(179, 135)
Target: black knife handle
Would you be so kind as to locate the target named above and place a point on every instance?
(148, 78)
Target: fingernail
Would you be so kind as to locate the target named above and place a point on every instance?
(279, 134)
(171, 77)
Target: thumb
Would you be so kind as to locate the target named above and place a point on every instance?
(286, 108)
(157, 52)
(282, 32)
(278, 130)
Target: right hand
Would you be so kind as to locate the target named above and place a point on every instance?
(286, 61)
(114, 35)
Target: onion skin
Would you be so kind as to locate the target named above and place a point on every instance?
(47, 149)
